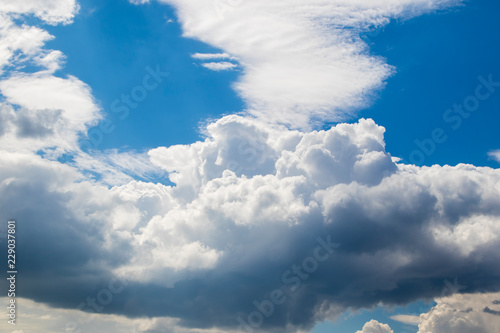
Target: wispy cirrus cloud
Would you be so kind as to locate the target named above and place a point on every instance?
(212, 63)
(212, 56)
(302, 62)
(219, 66)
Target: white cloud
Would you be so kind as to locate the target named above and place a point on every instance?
(407, 319)
(301, 60)
(39, 110)
(28, 40)
(278, 177)
(211, 56)
(40, 91)
(469, 233)
(219, 66)
(215, 66)
(52, 60)
(51, 11)
(495, 155)
(117, 168)
(374, 326)
(53, 111)
(463, 313)
(248, 201)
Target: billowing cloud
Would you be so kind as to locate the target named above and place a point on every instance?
(39, 110)
(463, 313)
(50, 11)
(249, 205)
(42, 111)
(374, 326)
(459, 313)
(39, 92)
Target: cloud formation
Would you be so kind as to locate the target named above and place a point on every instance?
(251, 200)
(463, 313)
(303, 61)
(39, 110)
(212, 56)
(50, 11)
(495, 154)
(219, 66)
(374, 326)
(459, 313)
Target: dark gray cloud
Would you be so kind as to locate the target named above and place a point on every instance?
(38, 124)
(490, 311)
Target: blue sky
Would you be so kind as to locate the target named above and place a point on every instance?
(200, 209)
(118, 41)
(438, 59)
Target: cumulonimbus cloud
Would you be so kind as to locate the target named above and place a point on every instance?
(249, 203)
